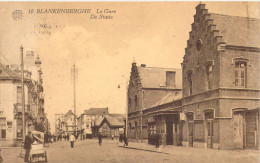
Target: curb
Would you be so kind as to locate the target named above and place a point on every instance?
(148, 150)
(10, 147)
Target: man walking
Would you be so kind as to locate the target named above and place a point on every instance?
(157, 141)
(72, 139)
(28, 145)
(125, 140)
(99, 138)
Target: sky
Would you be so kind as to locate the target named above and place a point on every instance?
(151, 33)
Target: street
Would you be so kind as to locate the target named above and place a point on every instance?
(113, 152)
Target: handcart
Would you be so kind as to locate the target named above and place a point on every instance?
(37, 152)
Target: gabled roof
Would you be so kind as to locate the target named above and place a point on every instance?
(155, 77)
(96, 111)
(68, 114)
(170, 97)
(7, 73)
(112, 121)
(238, 31)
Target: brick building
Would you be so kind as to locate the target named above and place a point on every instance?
(147, 86)
(220, 72)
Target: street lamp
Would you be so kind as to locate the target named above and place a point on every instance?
(23, 98)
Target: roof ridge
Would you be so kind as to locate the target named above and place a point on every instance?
(160, 67)
(235, 16)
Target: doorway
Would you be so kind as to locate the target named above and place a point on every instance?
(190, 121)
(238, 130)
(169, 132)
(209, 128)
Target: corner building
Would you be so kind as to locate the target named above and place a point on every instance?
(220, 73)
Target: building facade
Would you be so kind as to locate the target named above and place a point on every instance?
(147, 86)
(220, 82)
(11, 133)
(218, 106)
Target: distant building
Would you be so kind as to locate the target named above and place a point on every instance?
(108, 126)
(85, 120)
(147, 86)
(69, 122)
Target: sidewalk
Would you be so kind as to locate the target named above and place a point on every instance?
(199, 153)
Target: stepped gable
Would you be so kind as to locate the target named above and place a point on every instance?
(217, 31)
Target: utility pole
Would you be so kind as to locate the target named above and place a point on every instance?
(126, 118)
(74, 89)
(23, 101)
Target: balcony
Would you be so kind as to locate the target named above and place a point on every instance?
(18, 111)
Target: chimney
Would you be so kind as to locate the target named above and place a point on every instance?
(143, 65)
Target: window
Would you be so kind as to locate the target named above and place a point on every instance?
(19, 95)
(209, 75)
(170, 79)
(189, 78)
(136, 104)
(129, 104)
(2, 128)
(19, 128)
(240, 73)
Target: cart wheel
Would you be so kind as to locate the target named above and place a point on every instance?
(45, 157)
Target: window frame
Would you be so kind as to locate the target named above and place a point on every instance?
(240, 73)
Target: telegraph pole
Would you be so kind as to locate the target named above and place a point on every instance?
(74, 89)
(23, 101)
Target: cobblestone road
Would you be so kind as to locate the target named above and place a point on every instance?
(90, 152)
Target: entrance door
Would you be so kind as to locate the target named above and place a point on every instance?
(169, 133)
(210, 133)
(191, 127)
(238, 130)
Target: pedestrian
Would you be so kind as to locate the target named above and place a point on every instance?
(72, 139)
(99, 138)
(125, 141)
(28, 145)
(51, 139)
(121, 138)
(112, 136)
(1, 158)
(157, 140)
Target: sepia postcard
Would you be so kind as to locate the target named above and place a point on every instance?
(128, 81)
